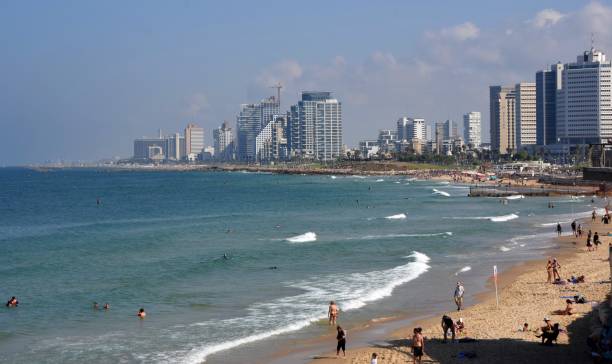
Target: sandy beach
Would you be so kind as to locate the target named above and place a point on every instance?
(524, 298)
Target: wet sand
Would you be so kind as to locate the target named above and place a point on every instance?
(524, 297)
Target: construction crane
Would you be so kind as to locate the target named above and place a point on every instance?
(278, 87)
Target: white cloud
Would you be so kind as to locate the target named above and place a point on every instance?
(461, 32)
(285, 71)
(547, 18)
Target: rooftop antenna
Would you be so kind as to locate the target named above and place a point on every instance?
(278, 87)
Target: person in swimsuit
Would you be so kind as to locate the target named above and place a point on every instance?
(555, 268)
(418, 345)
(341, 338)
(448, 325)
(458, 296)
(12, 302)
(106, 306)
(549, 271)
(332, 313)
(141, 313)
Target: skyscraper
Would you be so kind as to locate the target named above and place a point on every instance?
(315, 127)
(223, 141)
(251, 120)
(194, 141)
(411, 128)
(471, 128)
(450, 129)
(584, 101)
(525, 113)
(547, 84)
(502, 109)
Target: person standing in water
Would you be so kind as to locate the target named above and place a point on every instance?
(332, 313)
(141, 313)
(559, 229)
(458, 296)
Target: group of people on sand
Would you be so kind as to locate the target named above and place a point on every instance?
(594, 243)
(552, 270)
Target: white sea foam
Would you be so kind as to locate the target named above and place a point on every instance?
(501, 218)
(504, 218)
(380, 180)
(397, 182)
(333, 177)
(463, 270)
(357, 176)
(304, 238)
(395, 236)
(504, 249)
(441, 193)
(351, 292)
(568, 218)
(444, 182)
(396, 217)
(514, 197)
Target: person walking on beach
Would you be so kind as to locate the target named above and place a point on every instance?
(341, 338)
(549, 271)
(559, 229)
(448, 325)
(574, 228)
(555, 268)
(588, 243)
(596, 241)
(458, 296)
(332, 313)
(593, 216)
(418, 345)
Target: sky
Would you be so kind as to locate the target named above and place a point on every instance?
(79, 80)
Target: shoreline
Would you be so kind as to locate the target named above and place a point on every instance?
(517, 281)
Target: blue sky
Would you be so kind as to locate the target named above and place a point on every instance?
(82, 79)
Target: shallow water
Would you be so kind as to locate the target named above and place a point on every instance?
(292, 243)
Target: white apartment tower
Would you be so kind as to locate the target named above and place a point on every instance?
(584, 100)
(315, 127)
(525, 114)
(411, 128)
(194, 140)
(223, 140)
(502, 108)
(471, 128)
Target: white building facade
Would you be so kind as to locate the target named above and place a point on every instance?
(472, 128)
(525, 114)
(584, 101)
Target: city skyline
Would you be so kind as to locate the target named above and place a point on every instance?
(62, 83)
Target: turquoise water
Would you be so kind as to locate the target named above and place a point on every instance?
(157, 239)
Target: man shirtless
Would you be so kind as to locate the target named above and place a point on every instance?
(332, 313)
(418, 345)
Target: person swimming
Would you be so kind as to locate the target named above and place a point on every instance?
(106, 306)
(95, 306)
(12, 302)
(141, 313)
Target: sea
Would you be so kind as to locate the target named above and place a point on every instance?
(229, 265)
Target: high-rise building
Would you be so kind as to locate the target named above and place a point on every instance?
(175, 147)
(525, 113)
(251, 120)
(386, 140)
(450, 129)
(584, 101)
(411, 128)
(403, 124)
(471, 128)
(194, 141)
(502, 109)
(439, 136)
(271, 143)
(314, 129)
(223, 142)
(548, 82)
(171, 147)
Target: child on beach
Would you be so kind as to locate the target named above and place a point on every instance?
(418, 345)
(341, 338)
(374, 359)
